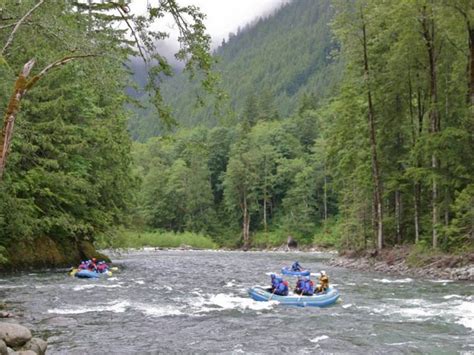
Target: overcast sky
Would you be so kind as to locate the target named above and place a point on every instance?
(223, 16)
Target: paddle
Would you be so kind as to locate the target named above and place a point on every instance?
(270, 298)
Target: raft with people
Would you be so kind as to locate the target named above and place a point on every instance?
(304, 293)
(323, 299)
(295, 270)
(91, 269)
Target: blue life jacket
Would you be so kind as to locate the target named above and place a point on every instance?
(276, 280)
(281, 289)
(300, 284)
(308, 288)
(296, 267)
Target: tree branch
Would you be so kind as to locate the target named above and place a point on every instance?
(119, 9)
(12, 34)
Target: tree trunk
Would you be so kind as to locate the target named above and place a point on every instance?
(265, 214)
(373, 144)
(398, 208)
(471, 65)
(416, 132)
(245, 223)
(19, 91)
(325, 196)
(416, 201)
(429, 36)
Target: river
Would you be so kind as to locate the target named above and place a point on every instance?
(196, 302)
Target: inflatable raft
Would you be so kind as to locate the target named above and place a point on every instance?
(87, 274)
(287, 271)
(325, 299)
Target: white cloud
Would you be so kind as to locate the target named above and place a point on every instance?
(222, 16)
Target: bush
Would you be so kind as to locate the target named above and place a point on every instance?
(269, 239)
(328, 235)
(161, 239)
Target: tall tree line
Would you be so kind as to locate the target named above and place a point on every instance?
(65, 161)
(387, 156)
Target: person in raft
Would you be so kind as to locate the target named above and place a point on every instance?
(296, 266)
(102, 267)
(92, 265)
(304, 287)
(279, 286)
(323, 282)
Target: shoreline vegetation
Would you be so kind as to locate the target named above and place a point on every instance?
(412, 261)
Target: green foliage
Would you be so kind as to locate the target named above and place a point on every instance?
(271, 63)
(69, 174)
(329, 234)
(158, 239)
(271, 239)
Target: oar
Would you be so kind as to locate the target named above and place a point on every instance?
(301, 294)
(274, 289)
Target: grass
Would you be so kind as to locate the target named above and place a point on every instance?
(328, 234)
(158, 239)
(269, 239)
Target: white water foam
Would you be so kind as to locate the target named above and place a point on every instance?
(457, 310)
(231, 283)
(466, 314)
(347, 305)
(441, 281)
(448, 297)
(318, 339)
(116, 307)
(140, 282)
(158, 311)
(398, 281)
(87, 287)
(221, 302)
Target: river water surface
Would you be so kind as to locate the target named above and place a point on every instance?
(196, 302)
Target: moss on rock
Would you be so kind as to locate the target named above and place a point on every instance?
(48, 252)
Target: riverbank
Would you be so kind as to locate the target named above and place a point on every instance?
(46, 252)
(406, 261)
(17, 339)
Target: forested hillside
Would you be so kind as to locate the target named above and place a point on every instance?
(384, 160)
(65, 162)
(275, 59)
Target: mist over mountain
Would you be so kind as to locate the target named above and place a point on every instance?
(282, 56)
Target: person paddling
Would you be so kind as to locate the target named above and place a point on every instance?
(296, 266)
(279, 286)
(304, 286)
(323, 282)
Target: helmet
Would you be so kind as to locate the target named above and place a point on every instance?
(323, 273)
(94, 259)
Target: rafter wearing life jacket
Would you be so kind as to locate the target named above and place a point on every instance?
(279, 286)
(304, 286)
(296, 266)
(323, 282)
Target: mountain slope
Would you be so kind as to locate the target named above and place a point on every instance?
(282, 57)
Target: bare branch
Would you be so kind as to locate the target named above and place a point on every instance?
(120, 10)
(57, 63)
(12, 34)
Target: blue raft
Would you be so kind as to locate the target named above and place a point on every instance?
(325, 299)
(87, 274)
(287, 271)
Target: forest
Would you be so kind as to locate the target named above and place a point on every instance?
(347, 125)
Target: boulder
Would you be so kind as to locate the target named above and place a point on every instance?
(25, 352)
(291, 242)
(37, 345)
(14, 335)
(3, 348)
